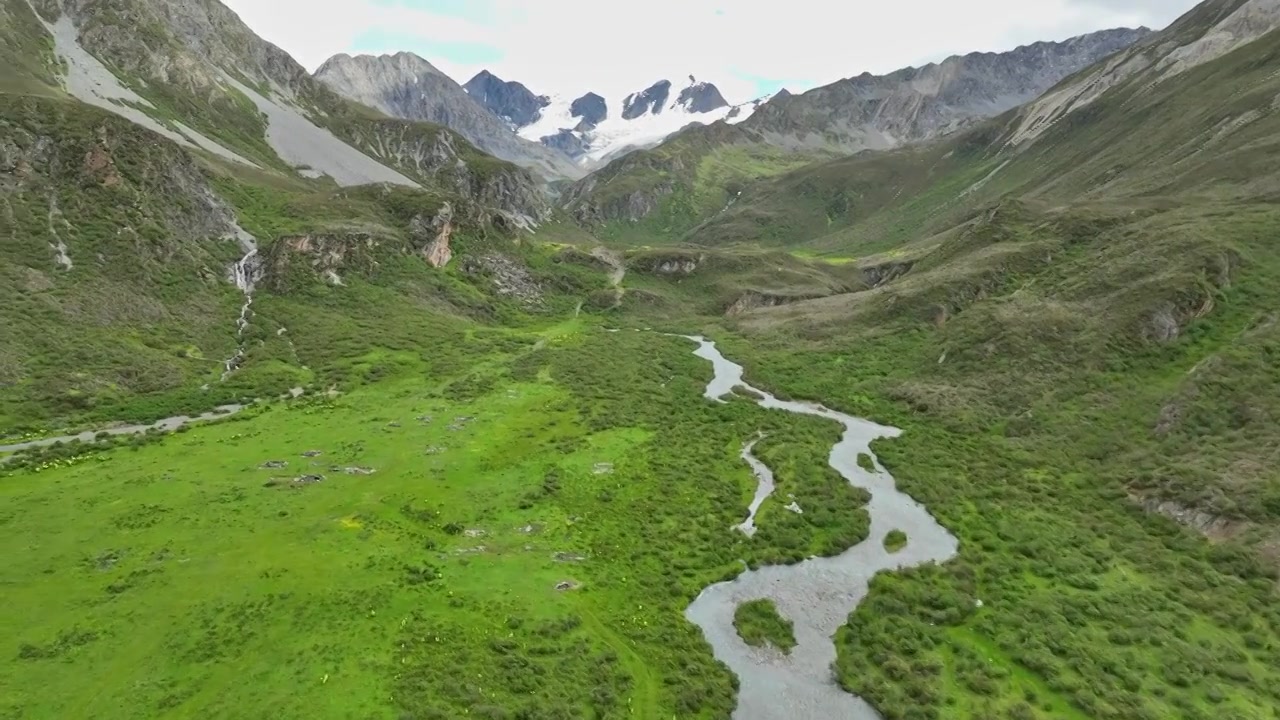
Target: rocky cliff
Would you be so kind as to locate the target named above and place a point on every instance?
(495, 192)
(912, 104)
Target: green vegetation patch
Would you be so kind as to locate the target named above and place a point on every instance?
(759, 624)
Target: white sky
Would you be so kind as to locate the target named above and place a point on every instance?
(614, 47)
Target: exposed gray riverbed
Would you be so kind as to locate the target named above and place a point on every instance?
(165, 425)
(764, 487)
(818, 594)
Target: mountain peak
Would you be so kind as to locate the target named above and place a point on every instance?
(651, 100)
(402, 62)
(701, 97)
(509, 100)
(591, 108)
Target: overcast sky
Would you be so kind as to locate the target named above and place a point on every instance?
(746, 47)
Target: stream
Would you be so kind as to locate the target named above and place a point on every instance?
(244, 274)
(818, 594)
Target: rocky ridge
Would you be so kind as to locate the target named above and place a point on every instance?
(406, 86)
(865, 112)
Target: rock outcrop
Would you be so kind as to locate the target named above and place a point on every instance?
(701, 97)
(753, 300)
(439, 229)
(495, 193)
(509, 100)
(651, 100)
(295, 259)
(590, 109)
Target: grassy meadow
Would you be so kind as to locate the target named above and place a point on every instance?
(515, 538)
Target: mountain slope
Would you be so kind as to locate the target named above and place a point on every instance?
(406, 86)
(848, 116)
(1146, 122)
(195, 74)
(125, 170)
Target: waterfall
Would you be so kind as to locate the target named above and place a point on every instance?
(244, 274)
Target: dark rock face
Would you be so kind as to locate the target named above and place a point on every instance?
(510, 101)
(701, 98)
(654, 99)
(568, 142)
(591, 108)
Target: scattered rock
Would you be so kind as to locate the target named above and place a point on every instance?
(531, 529)
(308, 479)
(565, 585)
(312, 454)
(424, 419)
(393, 424)
(508, 276)
(471, 551)
(569, 557)
(434, 450)
(273, 465)
(359, 471)
(473, 533)
(603, 468)
(795, 508)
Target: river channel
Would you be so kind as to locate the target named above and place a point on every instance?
(818, 594)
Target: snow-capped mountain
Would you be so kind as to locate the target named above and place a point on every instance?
(592, 128)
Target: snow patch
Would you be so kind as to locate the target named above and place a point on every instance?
(614, 134)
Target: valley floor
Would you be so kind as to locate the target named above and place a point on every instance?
(520, 537)
(497, 542)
